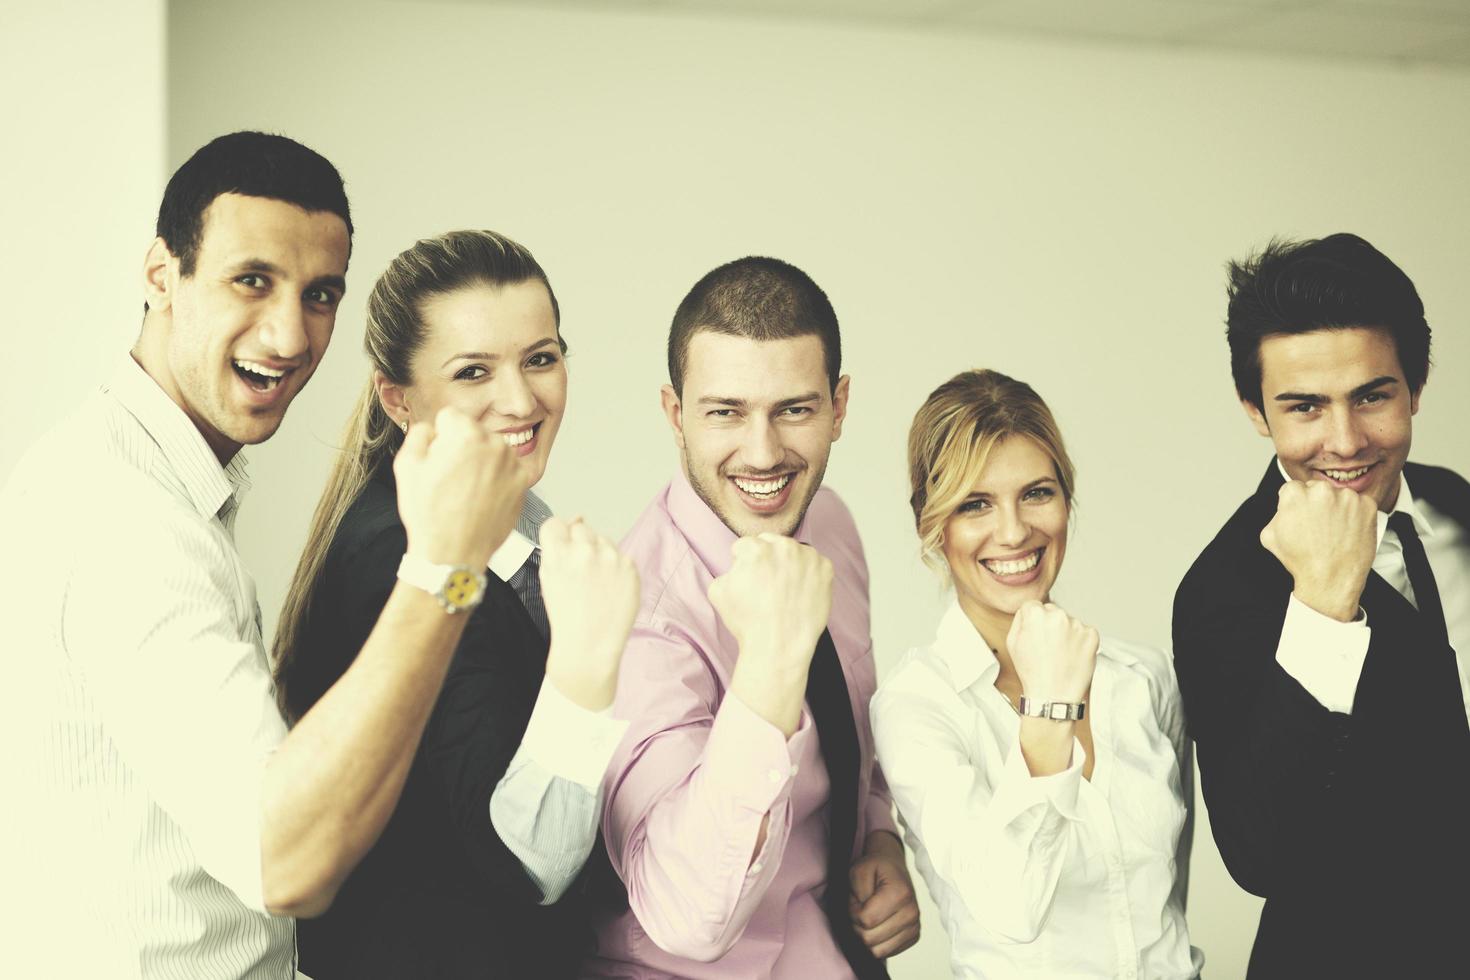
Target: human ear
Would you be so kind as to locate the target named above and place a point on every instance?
(674, 412)
(392, 397)
(1257, 417)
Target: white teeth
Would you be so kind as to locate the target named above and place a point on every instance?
(1345, 476)
(260, 369)
(763, 488)
(518, 438)
(1014, 567)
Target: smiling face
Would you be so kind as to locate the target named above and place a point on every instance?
(1337, 408)
(756, 422)
(1005, 542)
(235, 341)
(492, 352)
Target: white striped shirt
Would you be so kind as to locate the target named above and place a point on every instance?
(140, 700)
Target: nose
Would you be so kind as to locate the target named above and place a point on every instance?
(512, 396)
(1345, 434)
(761, 448)
(284, 330)
(1011, 529)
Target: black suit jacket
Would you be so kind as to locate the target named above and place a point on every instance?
(1352, 826)
(439, 895)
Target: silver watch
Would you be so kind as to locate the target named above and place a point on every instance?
(457, 587)
(1052, 710)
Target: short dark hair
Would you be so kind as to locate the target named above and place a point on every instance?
(759, 298)
(254, 164)
(1327, 283)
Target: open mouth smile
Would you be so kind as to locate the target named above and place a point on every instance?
(1354, 479)
(1015, 571)
(259, 376)
(766, 495)
(523, 441)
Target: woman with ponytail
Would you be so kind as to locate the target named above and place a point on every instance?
(472, 875)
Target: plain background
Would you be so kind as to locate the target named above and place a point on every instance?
(1058, 211)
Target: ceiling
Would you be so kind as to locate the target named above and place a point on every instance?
(1432, 33)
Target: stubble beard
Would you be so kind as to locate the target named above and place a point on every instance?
(712, 500)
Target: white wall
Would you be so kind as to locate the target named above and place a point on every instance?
(1058, 211)
(81, 172)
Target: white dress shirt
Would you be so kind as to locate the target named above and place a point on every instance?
(1052, 876)
(138, 698)
(547, 806)
(1326, 656)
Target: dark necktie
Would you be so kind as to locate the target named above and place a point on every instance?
(527, 584)
(831, 707)
(1421, 576)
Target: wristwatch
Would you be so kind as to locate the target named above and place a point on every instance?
(457, 587)
(1053, 710)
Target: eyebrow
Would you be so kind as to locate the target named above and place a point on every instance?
(338, 283)
(484, 355)
(1358, 392)
(811, 396)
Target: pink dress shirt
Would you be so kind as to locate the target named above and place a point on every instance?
(697, 772)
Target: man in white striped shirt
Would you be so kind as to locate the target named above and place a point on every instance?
(165, 823)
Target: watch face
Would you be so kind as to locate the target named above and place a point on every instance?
(462, 588)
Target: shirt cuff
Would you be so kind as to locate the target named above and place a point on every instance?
(1324, 655)
(1019, 791)
(569, 741)
(749, 758)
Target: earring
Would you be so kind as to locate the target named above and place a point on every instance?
(403, 426)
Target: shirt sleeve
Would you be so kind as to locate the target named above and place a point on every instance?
(156, 624)
(998, 835)
(1324, 655)
(687, 793)
(1169, 710)
(547, 805)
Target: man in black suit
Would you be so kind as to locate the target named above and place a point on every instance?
(1316, 637)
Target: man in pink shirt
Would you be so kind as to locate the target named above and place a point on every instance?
(744, 812)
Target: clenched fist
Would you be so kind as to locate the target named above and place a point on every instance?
(459, 489)
(590, 590)
(775, 600)
(1325, 537)
(1054, 653)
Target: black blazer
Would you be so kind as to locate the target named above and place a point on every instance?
(439, 895)
(1353, 827)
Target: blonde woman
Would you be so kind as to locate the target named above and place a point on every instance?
(1041, 771)
(500, 808)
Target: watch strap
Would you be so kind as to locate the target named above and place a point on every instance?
(457, 587)
(1051, 710)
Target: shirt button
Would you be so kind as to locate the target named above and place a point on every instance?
(795, 769)
(755, 869)
(774, 776)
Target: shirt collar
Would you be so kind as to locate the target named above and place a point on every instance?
(208, 484)
(521, 541)
(710, 538)
(1405, 504)
(969, 659)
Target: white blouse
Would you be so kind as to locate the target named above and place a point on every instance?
(1050, 876)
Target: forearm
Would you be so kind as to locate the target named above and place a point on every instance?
(1005, 855)
(331, 786)
(547, 806)
(1046, 745)
(691, 858)
(1270, 753)
(772, 686)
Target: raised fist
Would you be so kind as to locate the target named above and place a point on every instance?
(1054, 653)
(459, 489)
(590, 590)
(1325, 537)
(775, 599)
